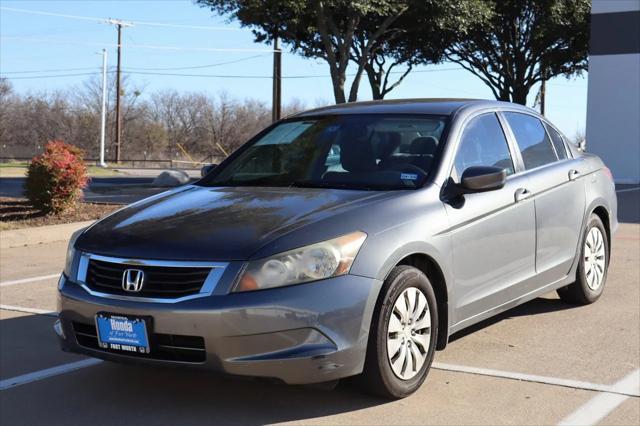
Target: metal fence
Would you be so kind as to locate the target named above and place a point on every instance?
(137, 163)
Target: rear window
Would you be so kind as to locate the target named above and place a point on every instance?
(533, 140)
(558, 142)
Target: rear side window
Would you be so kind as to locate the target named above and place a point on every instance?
(532, 139)
(558, 143)
(483, 144)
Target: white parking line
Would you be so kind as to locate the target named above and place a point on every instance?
(628, 189)
(28, 310)
(598, 407)
(29, 280)
(623, 389)
(46, 373)
(611, 395)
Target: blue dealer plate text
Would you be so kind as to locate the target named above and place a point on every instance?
(122, 333)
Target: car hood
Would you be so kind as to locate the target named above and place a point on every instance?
(223, 223)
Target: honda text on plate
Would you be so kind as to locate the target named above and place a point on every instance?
(347, 240)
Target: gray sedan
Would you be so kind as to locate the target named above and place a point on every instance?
(347, 240)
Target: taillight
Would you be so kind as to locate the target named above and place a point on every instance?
(607, 171)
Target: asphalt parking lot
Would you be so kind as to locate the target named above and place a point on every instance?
(542, 363)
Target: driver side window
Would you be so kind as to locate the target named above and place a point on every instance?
(483, 143)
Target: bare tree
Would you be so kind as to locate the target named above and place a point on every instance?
(154, 125)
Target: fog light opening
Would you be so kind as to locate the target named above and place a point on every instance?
(57, 326)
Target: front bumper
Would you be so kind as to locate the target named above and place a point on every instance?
(307, 333)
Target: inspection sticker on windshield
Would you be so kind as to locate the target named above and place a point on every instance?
(408, 176)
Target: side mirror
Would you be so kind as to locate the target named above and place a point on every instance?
(206, 169)
(582, 145)
(482, 179)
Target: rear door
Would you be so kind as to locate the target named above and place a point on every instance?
(493, 233)
(557, 190)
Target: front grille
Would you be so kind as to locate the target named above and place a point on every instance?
(164, 347)
(159, 281)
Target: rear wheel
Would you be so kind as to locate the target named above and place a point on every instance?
(403, 335)
(592, 267)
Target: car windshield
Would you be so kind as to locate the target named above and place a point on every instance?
(349, 151)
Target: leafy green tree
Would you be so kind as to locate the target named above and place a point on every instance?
(324, 29)
(515, 44)
(420, 36)
(366, 29)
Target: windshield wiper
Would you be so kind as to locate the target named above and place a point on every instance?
(334, 185)
(273, 180)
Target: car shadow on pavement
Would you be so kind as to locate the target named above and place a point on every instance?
(229, 400)
(540, 305)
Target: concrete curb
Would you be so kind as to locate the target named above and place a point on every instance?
(40, 234)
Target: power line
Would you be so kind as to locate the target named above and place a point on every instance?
(198, 66)
(131, 69)
(209, 75)
(392, 72)
(53, 70)
(139, 46)
(224, 75)
(194, 27)
(136, 68)
(139, 70)
(54, 76)
(60, 15)
(95, 19)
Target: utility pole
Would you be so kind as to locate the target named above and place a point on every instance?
(277, 81)
(543, 88)
(119, 25)
(103, 123)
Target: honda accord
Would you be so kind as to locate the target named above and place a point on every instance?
(348, 240)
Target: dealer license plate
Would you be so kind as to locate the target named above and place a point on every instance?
(122, 333)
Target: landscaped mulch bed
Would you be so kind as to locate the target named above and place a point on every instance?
(18, 213)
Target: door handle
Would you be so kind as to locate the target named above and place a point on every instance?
(522, 194)
(573, 174)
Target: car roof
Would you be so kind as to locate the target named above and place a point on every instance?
(435, 106)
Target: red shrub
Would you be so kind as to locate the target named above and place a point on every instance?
(55, 179)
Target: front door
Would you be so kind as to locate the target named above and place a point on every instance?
(493, 233)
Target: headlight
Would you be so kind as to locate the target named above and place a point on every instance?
(310, 263)
(71, 254)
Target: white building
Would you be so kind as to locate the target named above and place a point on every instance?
(613, 106)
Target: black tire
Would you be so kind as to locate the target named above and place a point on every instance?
(378, 376)
(579, 292)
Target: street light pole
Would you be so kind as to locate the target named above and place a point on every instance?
(103, 122)
(118, 119)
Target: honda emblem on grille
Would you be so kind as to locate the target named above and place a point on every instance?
(132, 280)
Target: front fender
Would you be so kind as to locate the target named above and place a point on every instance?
(384, 250)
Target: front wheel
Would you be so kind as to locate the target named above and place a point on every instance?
(592, 269)
(403, 335)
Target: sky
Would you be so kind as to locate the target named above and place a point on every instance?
(35, 49)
